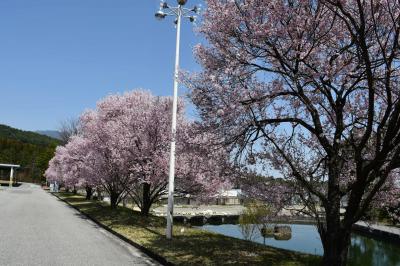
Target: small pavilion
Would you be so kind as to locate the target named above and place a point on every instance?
(12, 167)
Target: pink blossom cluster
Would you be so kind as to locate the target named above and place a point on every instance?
(284, 82)
(124, 149)
(311, 90)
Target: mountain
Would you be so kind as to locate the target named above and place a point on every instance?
(50, 133)
(29, 149)
(30, 137)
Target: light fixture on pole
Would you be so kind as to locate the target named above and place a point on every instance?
(178, 12)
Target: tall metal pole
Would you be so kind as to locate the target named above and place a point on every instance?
(170, 211)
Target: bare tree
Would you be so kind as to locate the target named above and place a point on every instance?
(68, 127)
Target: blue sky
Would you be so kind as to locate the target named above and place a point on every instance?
(58, 57)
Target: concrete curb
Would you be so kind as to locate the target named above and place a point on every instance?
(145, 250)
(380, 234)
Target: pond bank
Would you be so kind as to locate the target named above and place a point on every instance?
(387, 233)
(363, 250)
(384, 232)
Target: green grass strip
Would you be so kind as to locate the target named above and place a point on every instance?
(190, 246)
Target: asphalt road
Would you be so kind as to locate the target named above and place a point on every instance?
(38, 229)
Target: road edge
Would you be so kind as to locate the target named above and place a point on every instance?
(145, 250)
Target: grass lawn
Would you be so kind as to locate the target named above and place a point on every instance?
(190, 246)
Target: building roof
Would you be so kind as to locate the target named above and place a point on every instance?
(231, 193)
(10, 165)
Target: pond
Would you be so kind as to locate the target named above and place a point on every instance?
(365, 251)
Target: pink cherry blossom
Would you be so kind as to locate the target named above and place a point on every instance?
(311, 90)
(124, 147)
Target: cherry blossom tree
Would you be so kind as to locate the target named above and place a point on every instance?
(388, 198)
(53, 172)
(80, 163)
(310, 89)
(74, 165)
(204, 168)
(133, 132)
(124, 145)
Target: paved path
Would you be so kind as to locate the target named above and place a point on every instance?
(380, 227)
(38, 229)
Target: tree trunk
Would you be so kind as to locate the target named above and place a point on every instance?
(336, 246)
(335, 237)
(74, 190)
(89, 192)
(146, 201)
(99, 195)
(114, 199)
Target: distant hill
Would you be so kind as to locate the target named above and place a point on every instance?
(29, 149)
(30, 137)
(50, 133)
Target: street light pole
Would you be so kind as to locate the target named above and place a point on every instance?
(171, 177)
(178, 12)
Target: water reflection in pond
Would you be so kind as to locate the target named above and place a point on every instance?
(363, 251)
(369, 251)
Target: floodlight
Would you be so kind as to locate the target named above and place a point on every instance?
(182, 2)
(164, 5)
(160, 15)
